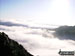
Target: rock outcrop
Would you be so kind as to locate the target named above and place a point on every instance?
(9, 47)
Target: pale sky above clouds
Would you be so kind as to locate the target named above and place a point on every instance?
(56, 12)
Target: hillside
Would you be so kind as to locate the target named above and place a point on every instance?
(9, 47)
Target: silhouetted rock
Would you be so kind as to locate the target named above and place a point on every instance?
(9, 47)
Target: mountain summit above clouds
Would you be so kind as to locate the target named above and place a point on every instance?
(9, 47)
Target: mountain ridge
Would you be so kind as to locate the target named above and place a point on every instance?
(9, 47)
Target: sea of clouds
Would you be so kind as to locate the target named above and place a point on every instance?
(38, 42)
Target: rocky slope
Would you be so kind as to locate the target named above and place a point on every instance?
(9, 47)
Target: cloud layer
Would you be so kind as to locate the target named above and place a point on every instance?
(11, 24)
(34, 41)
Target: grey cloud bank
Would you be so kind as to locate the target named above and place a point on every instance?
(11, 24)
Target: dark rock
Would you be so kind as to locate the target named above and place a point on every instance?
(9, 47)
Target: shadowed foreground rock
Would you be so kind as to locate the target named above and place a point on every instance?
(9, 47)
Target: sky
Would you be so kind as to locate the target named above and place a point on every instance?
(53, 12)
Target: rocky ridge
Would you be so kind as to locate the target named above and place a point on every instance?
(9, 47)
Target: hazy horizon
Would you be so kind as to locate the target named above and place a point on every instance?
(37, 12)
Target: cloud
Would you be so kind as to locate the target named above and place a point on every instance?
(7, 23)
(34, 41)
